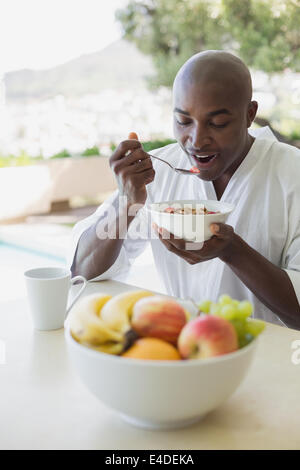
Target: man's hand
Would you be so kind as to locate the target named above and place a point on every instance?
(217, 246)
(133, 170)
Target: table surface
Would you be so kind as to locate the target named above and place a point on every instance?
(44, 405)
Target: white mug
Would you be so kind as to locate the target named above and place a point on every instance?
(48, 290)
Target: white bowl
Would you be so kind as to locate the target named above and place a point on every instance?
(193, 228)
(160, 394)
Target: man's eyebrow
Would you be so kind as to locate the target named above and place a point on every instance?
(177, 110)
(211, 114)
(218, 111)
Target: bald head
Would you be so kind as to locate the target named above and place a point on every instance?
(218, 69)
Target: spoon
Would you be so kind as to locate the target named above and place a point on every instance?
(178, 170)
(181, 171)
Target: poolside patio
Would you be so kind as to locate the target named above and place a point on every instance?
(43, 240)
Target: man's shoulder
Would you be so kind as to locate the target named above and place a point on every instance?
(285, 150)
(284, 159)
(271, 147)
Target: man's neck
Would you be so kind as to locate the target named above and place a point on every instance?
(221, 183)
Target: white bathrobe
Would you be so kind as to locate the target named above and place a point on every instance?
(265, 190)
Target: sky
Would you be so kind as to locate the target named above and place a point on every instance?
(40, 34)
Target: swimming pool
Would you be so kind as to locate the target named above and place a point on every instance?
(14, 260)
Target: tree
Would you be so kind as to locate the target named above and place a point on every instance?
(264, 33)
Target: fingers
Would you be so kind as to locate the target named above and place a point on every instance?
(170, 246)
(184, 248)
(139, 166)
(130, 158)
(133, 135)
(194, 253)
(173, 244)
(123, 148)
(138, 177)
(138, 160)
(170, 239)
(221, 230)
(143, 165)
(135, 181)
(145, 177)
(133, 169)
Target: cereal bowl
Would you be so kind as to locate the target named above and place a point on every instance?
(160, 394)
(193, 227)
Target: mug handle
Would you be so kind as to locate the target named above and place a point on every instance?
(73, 280)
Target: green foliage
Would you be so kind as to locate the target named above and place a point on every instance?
(295, 135)
(21, 160)
(5, 161)
(149, 145)
(155, 144)
(24, 159)
(90, 152)
(63, 154)
(264, 33)
(267, 32)
(170, 31)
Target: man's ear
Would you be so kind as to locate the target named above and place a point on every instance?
(251, 112)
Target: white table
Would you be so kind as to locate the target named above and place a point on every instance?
(45, 406)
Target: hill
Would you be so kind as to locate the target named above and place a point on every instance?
(120, 65)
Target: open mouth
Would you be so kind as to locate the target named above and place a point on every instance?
(203, 162)
(205, 159)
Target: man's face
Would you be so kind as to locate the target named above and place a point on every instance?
(210, 125)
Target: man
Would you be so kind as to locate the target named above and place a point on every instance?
(256, 254)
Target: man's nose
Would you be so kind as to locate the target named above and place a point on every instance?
(200, 137)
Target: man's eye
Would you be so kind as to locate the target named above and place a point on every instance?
(184, 123)
(219, 126)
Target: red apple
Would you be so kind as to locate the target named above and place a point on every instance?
(207, 336)
(158, 317)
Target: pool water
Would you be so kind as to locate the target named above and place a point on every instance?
(14, 260)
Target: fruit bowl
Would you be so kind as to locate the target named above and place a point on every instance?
(190, 227)
(160, 394)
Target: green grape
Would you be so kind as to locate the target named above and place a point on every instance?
(243, 336)
(215, 309)
(236, 303)
(254, 327)
(245, 309)
(228, 311)
(245, 339)
(224, 299)
(239, 326)
(205, 306)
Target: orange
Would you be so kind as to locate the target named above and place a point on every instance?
(152, 348)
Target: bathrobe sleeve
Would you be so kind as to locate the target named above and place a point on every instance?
(135, 240)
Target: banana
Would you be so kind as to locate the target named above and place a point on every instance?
(108, 348)
(187, 314)
(87, 326)
(117, 312)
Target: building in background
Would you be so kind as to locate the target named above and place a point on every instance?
(98, 98)
(93, 100)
